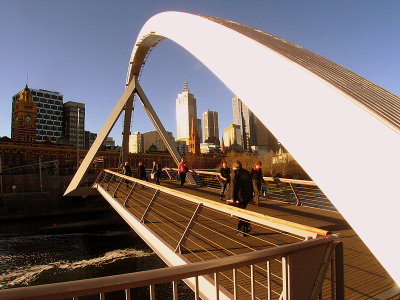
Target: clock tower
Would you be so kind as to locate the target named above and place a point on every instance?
(24, 117)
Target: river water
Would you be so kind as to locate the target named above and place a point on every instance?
(28, 257)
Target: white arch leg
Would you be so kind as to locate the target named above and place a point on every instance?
(72, 189)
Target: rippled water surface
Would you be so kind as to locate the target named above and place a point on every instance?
(30, 258)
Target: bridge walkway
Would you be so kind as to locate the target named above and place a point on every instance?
(212, 238)
(364, 275)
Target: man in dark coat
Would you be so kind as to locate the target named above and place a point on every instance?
(240, 192)
(142, 171)
(126, 170)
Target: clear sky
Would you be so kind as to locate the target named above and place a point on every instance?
(81, 48)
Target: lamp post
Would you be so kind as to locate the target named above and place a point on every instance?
(1, 176)
(77, 142)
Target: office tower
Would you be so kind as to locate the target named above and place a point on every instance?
(194, 141)
(136, 143)
(90, 137)
(24, 115)
(232, 135)
(254, 134)
(199, 130)
(74, 123)
(210, 127)
(49, 107)
(186, 111)
(243, 117)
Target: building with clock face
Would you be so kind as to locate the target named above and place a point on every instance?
(49, 114)
(24, 115)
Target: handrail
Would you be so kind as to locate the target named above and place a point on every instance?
(266, 178)
(288, 226)
(156, 276)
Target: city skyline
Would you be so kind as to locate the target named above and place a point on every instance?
(88, 63)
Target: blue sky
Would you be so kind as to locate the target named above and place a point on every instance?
(81, 48)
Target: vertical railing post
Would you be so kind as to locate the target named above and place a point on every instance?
(285, 279)
(196, 288)
(253, 285)
(339, 270)
(216, 283)
(235, 295)
(152, 292)
(268, 281)
(174, 290)
(128, 294)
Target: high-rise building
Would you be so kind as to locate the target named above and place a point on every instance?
(244, 117)
(136, 143)
(49, 106)
(254, 134)
(74, 123)
(90, 137)
(186, 111)
(194, 141)
(24, 115)
(232, 135)
(210, 127)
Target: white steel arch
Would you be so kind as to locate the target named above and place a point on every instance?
(348, 149)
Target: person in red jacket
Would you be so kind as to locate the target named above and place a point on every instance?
(182, 170)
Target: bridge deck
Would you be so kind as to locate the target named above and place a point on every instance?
(364, 276)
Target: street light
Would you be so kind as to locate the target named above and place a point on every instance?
(77, 142)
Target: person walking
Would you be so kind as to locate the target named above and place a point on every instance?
(224, 178)
(257, 179)
(182, 170)
(156, 172)
(142, 171)
(240, 192)
(126, 170)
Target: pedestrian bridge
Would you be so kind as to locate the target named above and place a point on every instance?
(333, 118)
(197, 238)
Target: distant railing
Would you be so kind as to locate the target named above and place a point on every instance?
(293, 191)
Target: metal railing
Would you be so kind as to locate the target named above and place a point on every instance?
(126, 282)
(297, 192)
(178, 225)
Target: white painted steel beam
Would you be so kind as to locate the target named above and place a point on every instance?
(305, 111)
(108, 125)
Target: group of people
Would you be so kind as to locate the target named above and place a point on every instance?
(241, 187)
(155, 171)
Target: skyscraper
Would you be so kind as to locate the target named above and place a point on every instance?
(74, 123)
(186, 111)
(210, 127)
(49, 106)
(254, 134)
